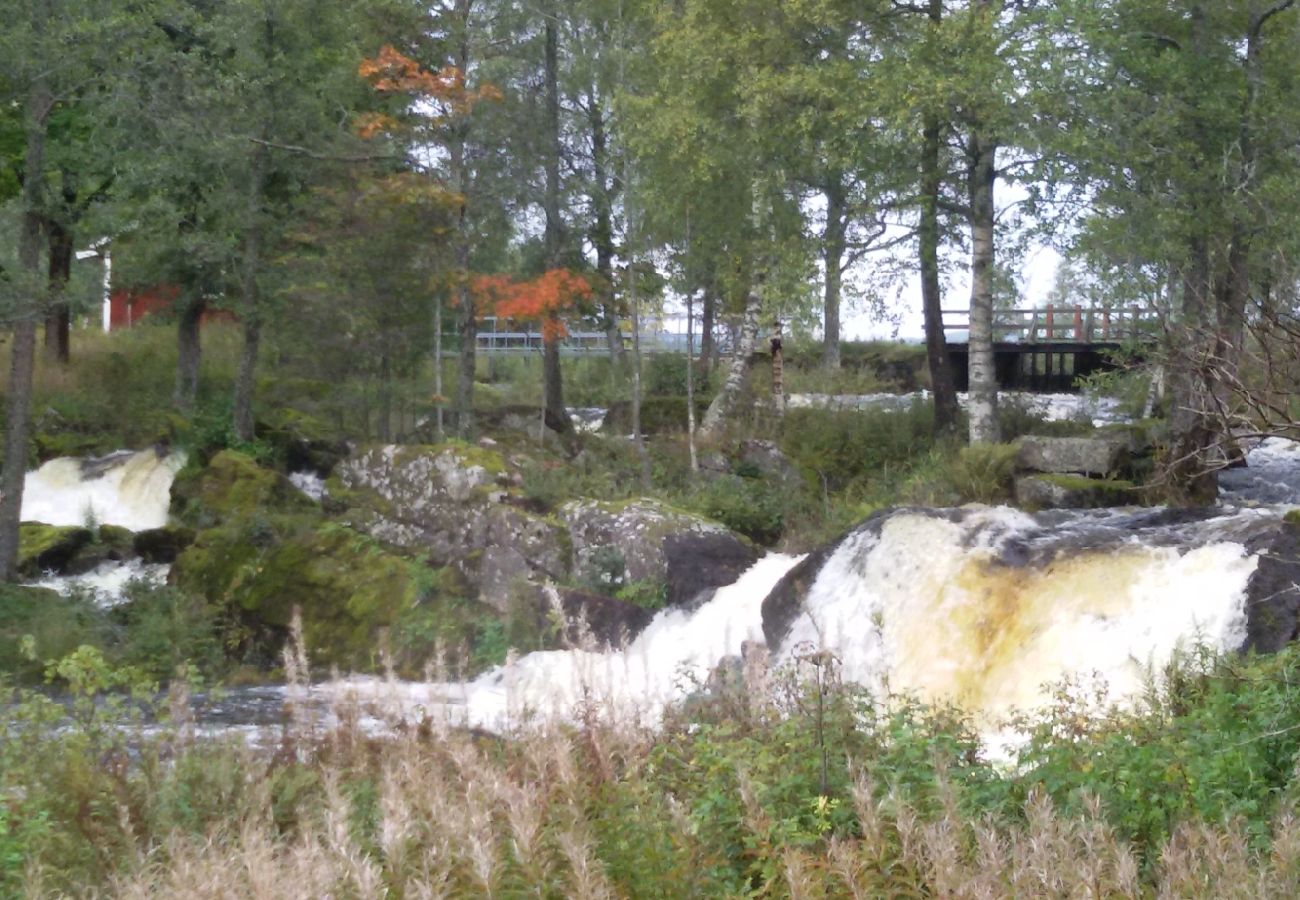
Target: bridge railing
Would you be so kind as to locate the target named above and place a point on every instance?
(1064, 324)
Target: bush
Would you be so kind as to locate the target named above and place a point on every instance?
(838, 450)
(754, 508)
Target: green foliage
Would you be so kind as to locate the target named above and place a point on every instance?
(757, 509)
(164, 628)
(982, 473)
(842, 450)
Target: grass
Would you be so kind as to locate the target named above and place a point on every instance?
(789, 784)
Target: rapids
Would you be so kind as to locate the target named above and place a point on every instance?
(130, 489)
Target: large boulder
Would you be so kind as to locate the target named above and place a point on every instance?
(50, 548)
(646, 541)
(231, 486)
(1273, 598)
(447, 502)
(419, 484)
(346, 586)
(1081, 455)
(1072, 492)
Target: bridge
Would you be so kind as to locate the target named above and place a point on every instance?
(1046, 350)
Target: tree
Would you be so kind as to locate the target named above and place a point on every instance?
(49, 52)
(1191, 169)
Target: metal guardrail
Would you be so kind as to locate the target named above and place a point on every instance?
(1065, 324)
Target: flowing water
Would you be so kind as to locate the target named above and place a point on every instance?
(985, 607)
(130, 489)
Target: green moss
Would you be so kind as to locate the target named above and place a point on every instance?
(1292, 518)
(49, 548)
(345, 584)
(230, 487)
(1083, 483)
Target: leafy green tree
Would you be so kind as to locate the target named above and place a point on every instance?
(50, 51)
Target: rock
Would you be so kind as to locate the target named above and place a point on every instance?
(701, 562)
(110, 543)
(1273, 595)
(633, 532)
(1073, 492)
(444, 501)
(1084, 455)
(766, 458)
(607, 620)
(347, 587)
(306, 443)
(162, 545)
(49, 548)
(231, 486)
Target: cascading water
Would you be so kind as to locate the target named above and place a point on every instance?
(672, 657)
(130, 489)
(985, 608)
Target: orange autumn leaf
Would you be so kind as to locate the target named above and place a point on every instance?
(543, 299)
(393, 72)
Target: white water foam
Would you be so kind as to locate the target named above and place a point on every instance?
(1054, 407)
(107, 582)
(925, 609)
(132, 490)
(669, 660)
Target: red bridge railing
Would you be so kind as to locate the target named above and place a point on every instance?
(1064, 324)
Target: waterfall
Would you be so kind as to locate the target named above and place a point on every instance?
(988, 608)
(669, 660)
(129, 489)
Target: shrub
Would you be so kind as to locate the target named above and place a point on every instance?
(754, 508)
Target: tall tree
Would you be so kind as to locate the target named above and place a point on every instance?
(50, 50)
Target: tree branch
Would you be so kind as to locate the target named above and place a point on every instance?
(325, 157)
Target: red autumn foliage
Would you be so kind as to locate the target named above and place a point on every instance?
(393, 72)
(543, 299)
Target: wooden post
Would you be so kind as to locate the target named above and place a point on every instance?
(1050, 323)
(778, 366)
(1078, 324)
(1105, 324)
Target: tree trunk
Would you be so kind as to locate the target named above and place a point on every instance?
(833, 246)
(1189, 474)
(708, 326)
(58, 315)
(983, 375)
(936, 344)
(250, 299)
(466, 320)
(602, 233)
(189, 350)
(14, 470)
(557, 415)
(723, 407)
(690, 381)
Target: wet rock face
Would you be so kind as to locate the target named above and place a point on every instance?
(445, 501)
(607, 621)
(697, 563)
(1072, 492)
(637, 534)
(1081, 455)
(49, 548)
(1273, 597)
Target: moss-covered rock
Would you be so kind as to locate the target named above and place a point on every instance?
(305, 443)
(1064, 491)
(162, 545)
(49, 548)
(231, 486)
(347, 587)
